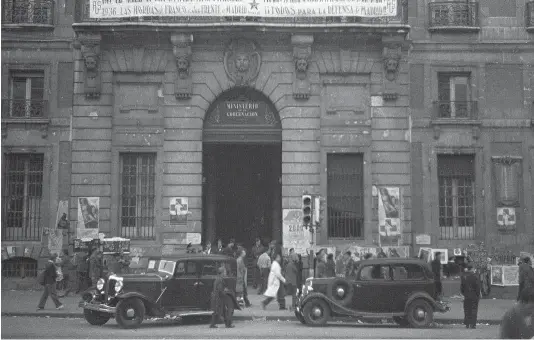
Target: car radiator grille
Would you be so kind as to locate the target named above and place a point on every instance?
(110, 288)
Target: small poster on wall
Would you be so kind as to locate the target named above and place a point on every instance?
(497, 276)
(178, 210)
(389, 216)
(88, 217)
(425, 254)
(294, 235)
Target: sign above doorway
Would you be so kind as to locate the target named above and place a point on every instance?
(242, 113)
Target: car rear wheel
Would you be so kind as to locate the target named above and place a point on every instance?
(316, 312)
(96, 318)
(130, 313)
(419, 314)
(401, 321)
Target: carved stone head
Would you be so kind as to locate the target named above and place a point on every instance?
(91, 61)
(242, 62)
(91, 53)
(301, 65)
(391, 59)
(182, 63)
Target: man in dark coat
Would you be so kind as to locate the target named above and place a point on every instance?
(218, 301)
(82, 271)
(257, 250)
(526, 275)
(470, 288)
(49, 280)
(436, 269)
(518, 322)
(229, 249)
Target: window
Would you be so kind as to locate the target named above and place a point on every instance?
(38, 12)
(454, 13)
(454, 96)
(408, 272)
(26, 96)
(456, 197)
(19, 267)
(137, 195)
(22, 194)
(186, 268)
(345, 195)
(375, 272)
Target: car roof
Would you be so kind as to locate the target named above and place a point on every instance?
(196, 256)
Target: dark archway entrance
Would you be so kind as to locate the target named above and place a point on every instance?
(242, 161)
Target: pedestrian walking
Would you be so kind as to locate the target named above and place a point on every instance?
(470, 289)
(292, 279)
(241, 279)
(526, 275)
(96, 268)
(264, 265)
(49, 282)
(218, 301)
(518, 322)
(274, 286)
(257, 250)
(330, 266)
(436, 269)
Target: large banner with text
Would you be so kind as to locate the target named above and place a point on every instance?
(107, 9)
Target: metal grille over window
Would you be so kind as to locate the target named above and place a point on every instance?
(137, 195)
(345, 195)
(36, 12)
(19, 267)
(22, 195)
(456, 197)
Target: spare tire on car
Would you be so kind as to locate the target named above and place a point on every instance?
(340, 290)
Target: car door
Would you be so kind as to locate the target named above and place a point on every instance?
(181, 290)
(372, 289)
(208, 274)
(408, 278)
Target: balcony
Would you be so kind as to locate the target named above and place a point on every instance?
(529, 15)
(455, 110)
(28, 13)
(453, 16)
(20, 110)
(219, 22)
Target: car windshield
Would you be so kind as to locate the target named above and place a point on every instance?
(167, 267)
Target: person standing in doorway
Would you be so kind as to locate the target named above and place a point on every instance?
(257, 250)
(49, 282)
(274, 284)
(264, 265)
(241, 279)
(470, 288)
(436, 269)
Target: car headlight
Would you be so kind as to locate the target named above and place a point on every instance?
(100, 284)
(118, 286)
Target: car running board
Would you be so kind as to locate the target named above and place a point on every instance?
(180, 314)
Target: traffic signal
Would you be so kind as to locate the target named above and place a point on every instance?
(307, 209)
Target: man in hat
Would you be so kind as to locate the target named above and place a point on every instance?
(470, 288)
(49, 282)
(218, 298)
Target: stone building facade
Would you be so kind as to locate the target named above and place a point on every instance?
(179, 130)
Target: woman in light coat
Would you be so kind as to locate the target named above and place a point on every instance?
(273, 284)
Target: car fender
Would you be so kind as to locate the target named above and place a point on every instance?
(234, 300)
(335, 307)
(128, 295)
(423, 296)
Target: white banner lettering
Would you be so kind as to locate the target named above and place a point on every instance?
(107, 9)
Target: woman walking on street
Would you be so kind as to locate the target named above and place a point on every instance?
(274, 284)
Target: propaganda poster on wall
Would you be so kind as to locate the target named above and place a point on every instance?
(88, 217)
(389, 216)
(497, 276)
(294, 235)
(178, 210)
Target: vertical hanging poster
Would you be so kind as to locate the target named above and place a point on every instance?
(389, 216)
(55, 241)
(88, 211)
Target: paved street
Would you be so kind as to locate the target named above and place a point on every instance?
(24, 327)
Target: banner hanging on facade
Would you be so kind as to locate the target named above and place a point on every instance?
(389, 216)
(108, 9)
(88, 211)
(294, 234)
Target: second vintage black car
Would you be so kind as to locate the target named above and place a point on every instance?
(402, 289)
(178, 286)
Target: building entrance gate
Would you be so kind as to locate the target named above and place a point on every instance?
(242, 157)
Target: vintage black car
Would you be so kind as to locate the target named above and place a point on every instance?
(178, 286)
(402, 289)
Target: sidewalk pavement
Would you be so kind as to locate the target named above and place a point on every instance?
(24, 303)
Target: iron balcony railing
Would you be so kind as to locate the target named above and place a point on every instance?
(529, 12)
(24, 109)
(455, 109)
(29, 12)
(453, 14)
(83, 8)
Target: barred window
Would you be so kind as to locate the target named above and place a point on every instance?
(137, 195)
(22, 194)
(456, 197)
(19, 267)
(345, 195)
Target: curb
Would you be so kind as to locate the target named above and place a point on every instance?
(246, 318)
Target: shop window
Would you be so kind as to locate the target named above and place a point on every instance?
(26, 96)
(454, 96)
(456, 197)
(19, 267)
(137, 195)
(345, 195)
(22, 195)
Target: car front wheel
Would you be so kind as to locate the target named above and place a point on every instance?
(130, 313)
(316, 312)
(96, 318)
(419, 314)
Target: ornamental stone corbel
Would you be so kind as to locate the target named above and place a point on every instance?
(302, 49)
(391, 58)
(183, 84)
(89, 45)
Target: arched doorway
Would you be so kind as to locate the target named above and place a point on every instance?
(242, 164)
